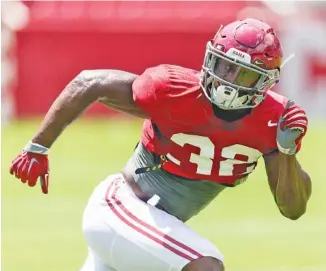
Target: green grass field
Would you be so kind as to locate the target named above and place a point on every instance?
(43, 232)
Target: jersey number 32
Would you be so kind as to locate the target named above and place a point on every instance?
(233, 160)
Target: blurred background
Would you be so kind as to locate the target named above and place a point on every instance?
(46, 44)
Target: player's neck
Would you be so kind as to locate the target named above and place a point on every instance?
(230, 115)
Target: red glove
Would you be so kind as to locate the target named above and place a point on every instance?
(31, 164)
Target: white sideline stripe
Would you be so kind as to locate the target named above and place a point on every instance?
(150, 232)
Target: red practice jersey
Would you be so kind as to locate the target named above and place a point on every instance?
(197, 144)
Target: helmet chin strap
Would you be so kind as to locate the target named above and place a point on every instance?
(287, 59)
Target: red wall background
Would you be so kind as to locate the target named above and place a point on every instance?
(64, 38)
(61, 56)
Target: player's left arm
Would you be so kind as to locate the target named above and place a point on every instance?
(289, 183)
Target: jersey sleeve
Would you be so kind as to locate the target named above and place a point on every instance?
(150, 92)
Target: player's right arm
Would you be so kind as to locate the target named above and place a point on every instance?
(110, 87)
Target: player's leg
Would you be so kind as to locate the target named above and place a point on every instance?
(94, 263)
(128, 234)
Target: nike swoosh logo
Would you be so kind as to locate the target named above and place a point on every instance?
(33, 160)
(271, 124)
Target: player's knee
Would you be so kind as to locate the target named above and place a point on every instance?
(205, 264)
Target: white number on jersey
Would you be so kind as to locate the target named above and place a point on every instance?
(205, 159)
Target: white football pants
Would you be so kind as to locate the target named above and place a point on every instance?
(126, 234)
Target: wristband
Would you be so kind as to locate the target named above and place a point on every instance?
(289, 151)
(36, 148)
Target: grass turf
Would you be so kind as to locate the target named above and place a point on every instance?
(43, 232)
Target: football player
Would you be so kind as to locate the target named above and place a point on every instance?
(203, 131)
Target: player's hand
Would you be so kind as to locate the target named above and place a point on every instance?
(292, 127)
(32, 164)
